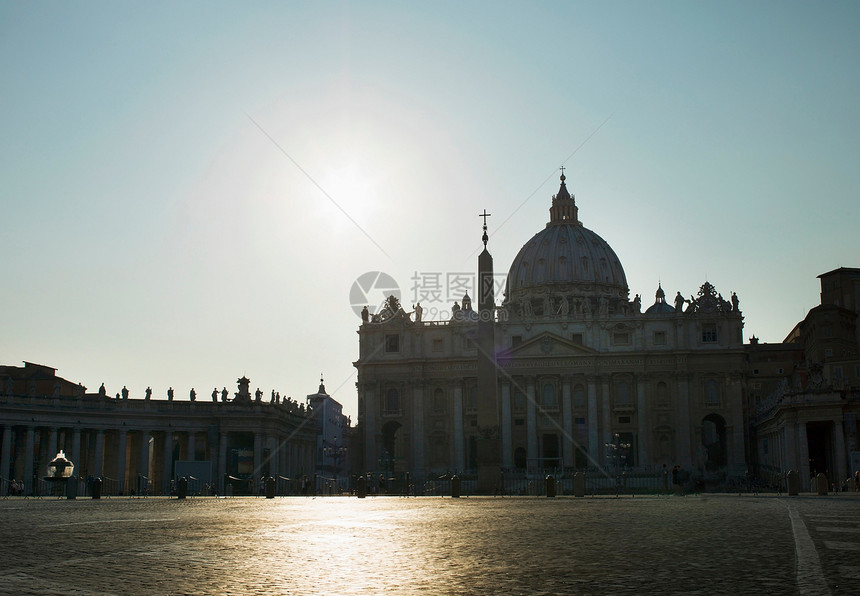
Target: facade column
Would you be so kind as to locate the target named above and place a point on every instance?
(417, 430)
(459, 452)
(507, 447)
(372, 410)
(166, 462)
(120, 461)
(735, 396)
(606, 425)
(567, 424)
(531, 424)
(222, 462)
(100, 453)
(593, 431)
(685, 428)
(643, 427)
(6, 452)
(28, 460)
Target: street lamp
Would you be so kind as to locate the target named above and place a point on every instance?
(616, 453)
(335, 453)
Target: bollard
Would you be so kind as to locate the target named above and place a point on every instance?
(182, 488)
(72, 488)
(550, 486)
(361, 487)
(97, 488)
(455, 487)
(792, 480)
(270, 488)
(822, 482)
(579, 485)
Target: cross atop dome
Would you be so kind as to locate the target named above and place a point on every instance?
(563, 210)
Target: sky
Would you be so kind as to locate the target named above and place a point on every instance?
(190, 191)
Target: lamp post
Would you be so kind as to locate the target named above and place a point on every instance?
(616, 453)
(335, 453)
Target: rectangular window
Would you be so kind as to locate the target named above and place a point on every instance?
(621, 339)
(659, 338)
(576, 338)
(392, 343)
(709, 333)
(438, 346)
(624, 420)
(580, 421)
(828, 353)
(519, 421)
(516, 340)
(837, 372)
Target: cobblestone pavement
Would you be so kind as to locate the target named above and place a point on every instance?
(725, 544)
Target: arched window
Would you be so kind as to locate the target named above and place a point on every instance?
(579, 396)
(519, 401)
(439, 400)
(712, 393)
(548, 397)
(662, 395)
(392, 401)
(622, 394)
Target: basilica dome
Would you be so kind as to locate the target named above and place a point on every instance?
(566, 259)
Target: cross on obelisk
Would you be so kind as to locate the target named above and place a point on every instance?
(485, 215)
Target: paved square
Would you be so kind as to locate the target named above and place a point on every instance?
(698, 544)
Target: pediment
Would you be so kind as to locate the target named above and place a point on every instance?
(546, 344)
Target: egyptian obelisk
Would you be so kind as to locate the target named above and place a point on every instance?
(489, 445)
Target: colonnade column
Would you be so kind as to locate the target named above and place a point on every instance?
(593, 436)
(28, 460)
(459, 454)
(258, 457)
(567, 417)
(76, 448)
(120, 460)
(6, 451)
(100, 453)
(52, 444)
(643, 430)
(839, 471)
(531, 423)
(222, 462)
(192, 446)
(507, 447)
(803, 444)
(167, 462)
(143, 459)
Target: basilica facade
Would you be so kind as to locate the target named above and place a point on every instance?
(584, 375)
